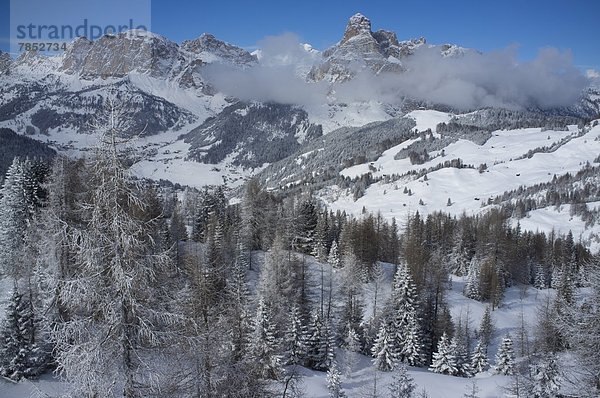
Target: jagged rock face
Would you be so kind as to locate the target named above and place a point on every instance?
(361, 48)
(5, 62)
(209, 49)
(357, 25)
(251, 135)
(74, 57)
(118, 55)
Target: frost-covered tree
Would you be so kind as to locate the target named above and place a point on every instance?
(403, 385)
(16, 207)
(505, 357)
(479, 360)
(486, 328)
(295, 338)
(412, 348)
(237, 298)
(351, 347)
(116, 294)
(582, 326)
(320, 344)
(383, 351)
(334, 256)
(539, 279)
(407, 334)
(334, 382)
(545, 378)
(463, 362)
(444, 360)
(264, 348)
(472, 290)
(20, 355)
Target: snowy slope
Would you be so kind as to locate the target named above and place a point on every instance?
(508, 168)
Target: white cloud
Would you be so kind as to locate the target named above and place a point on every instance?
(470, 81)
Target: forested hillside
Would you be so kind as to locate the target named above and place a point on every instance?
(125, 288)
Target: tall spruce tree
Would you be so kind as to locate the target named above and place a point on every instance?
(505, 358)
(383, 351)
(444, 360)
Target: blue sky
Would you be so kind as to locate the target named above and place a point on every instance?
(483, 25)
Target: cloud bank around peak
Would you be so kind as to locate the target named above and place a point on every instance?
(468, 81)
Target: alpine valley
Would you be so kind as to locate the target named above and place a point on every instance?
(285, 152)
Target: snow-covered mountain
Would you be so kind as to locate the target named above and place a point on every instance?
(360, 142)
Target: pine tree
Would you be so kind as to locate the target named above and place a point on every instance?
(479, 360)
(403, 385)
(321, 343)
(412, 349)
(444, 361)
(351, 348)
(406, 338)
(263, 345)
(540, 277)
(546, 378)
(472, 286)
(20, 356)
(334, 382)
(463, 362)
(295, 337)
(384, 353)
(505, 357)
(334, 256)
(14, 215)
(486, 328)
(237, 297)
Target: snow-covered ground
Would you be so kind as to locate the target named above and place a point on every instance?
(467, 188)
(519, 303)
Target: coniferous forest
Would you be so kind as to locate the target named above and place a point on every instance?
(123, 287)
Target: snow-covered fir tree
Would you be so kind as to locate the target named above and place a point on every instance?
(406, 336)
(539, 280)
(334, 382)
(472, 286)
(546, 379)
(321, 343)
(412, 348)
(383, 351)
(486, 328)
(461, 355)
(351, 347)
(238, 296)
(505, 357)
(444, 360)
(20, 355)
(334, 256)
(295, 338)
(264, 348)
(403, 385)
(15, 211)
(479, 359)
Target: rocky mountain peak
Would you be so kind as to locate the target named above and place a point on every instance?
(210, 49)
(357, 25)
(118, 55)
